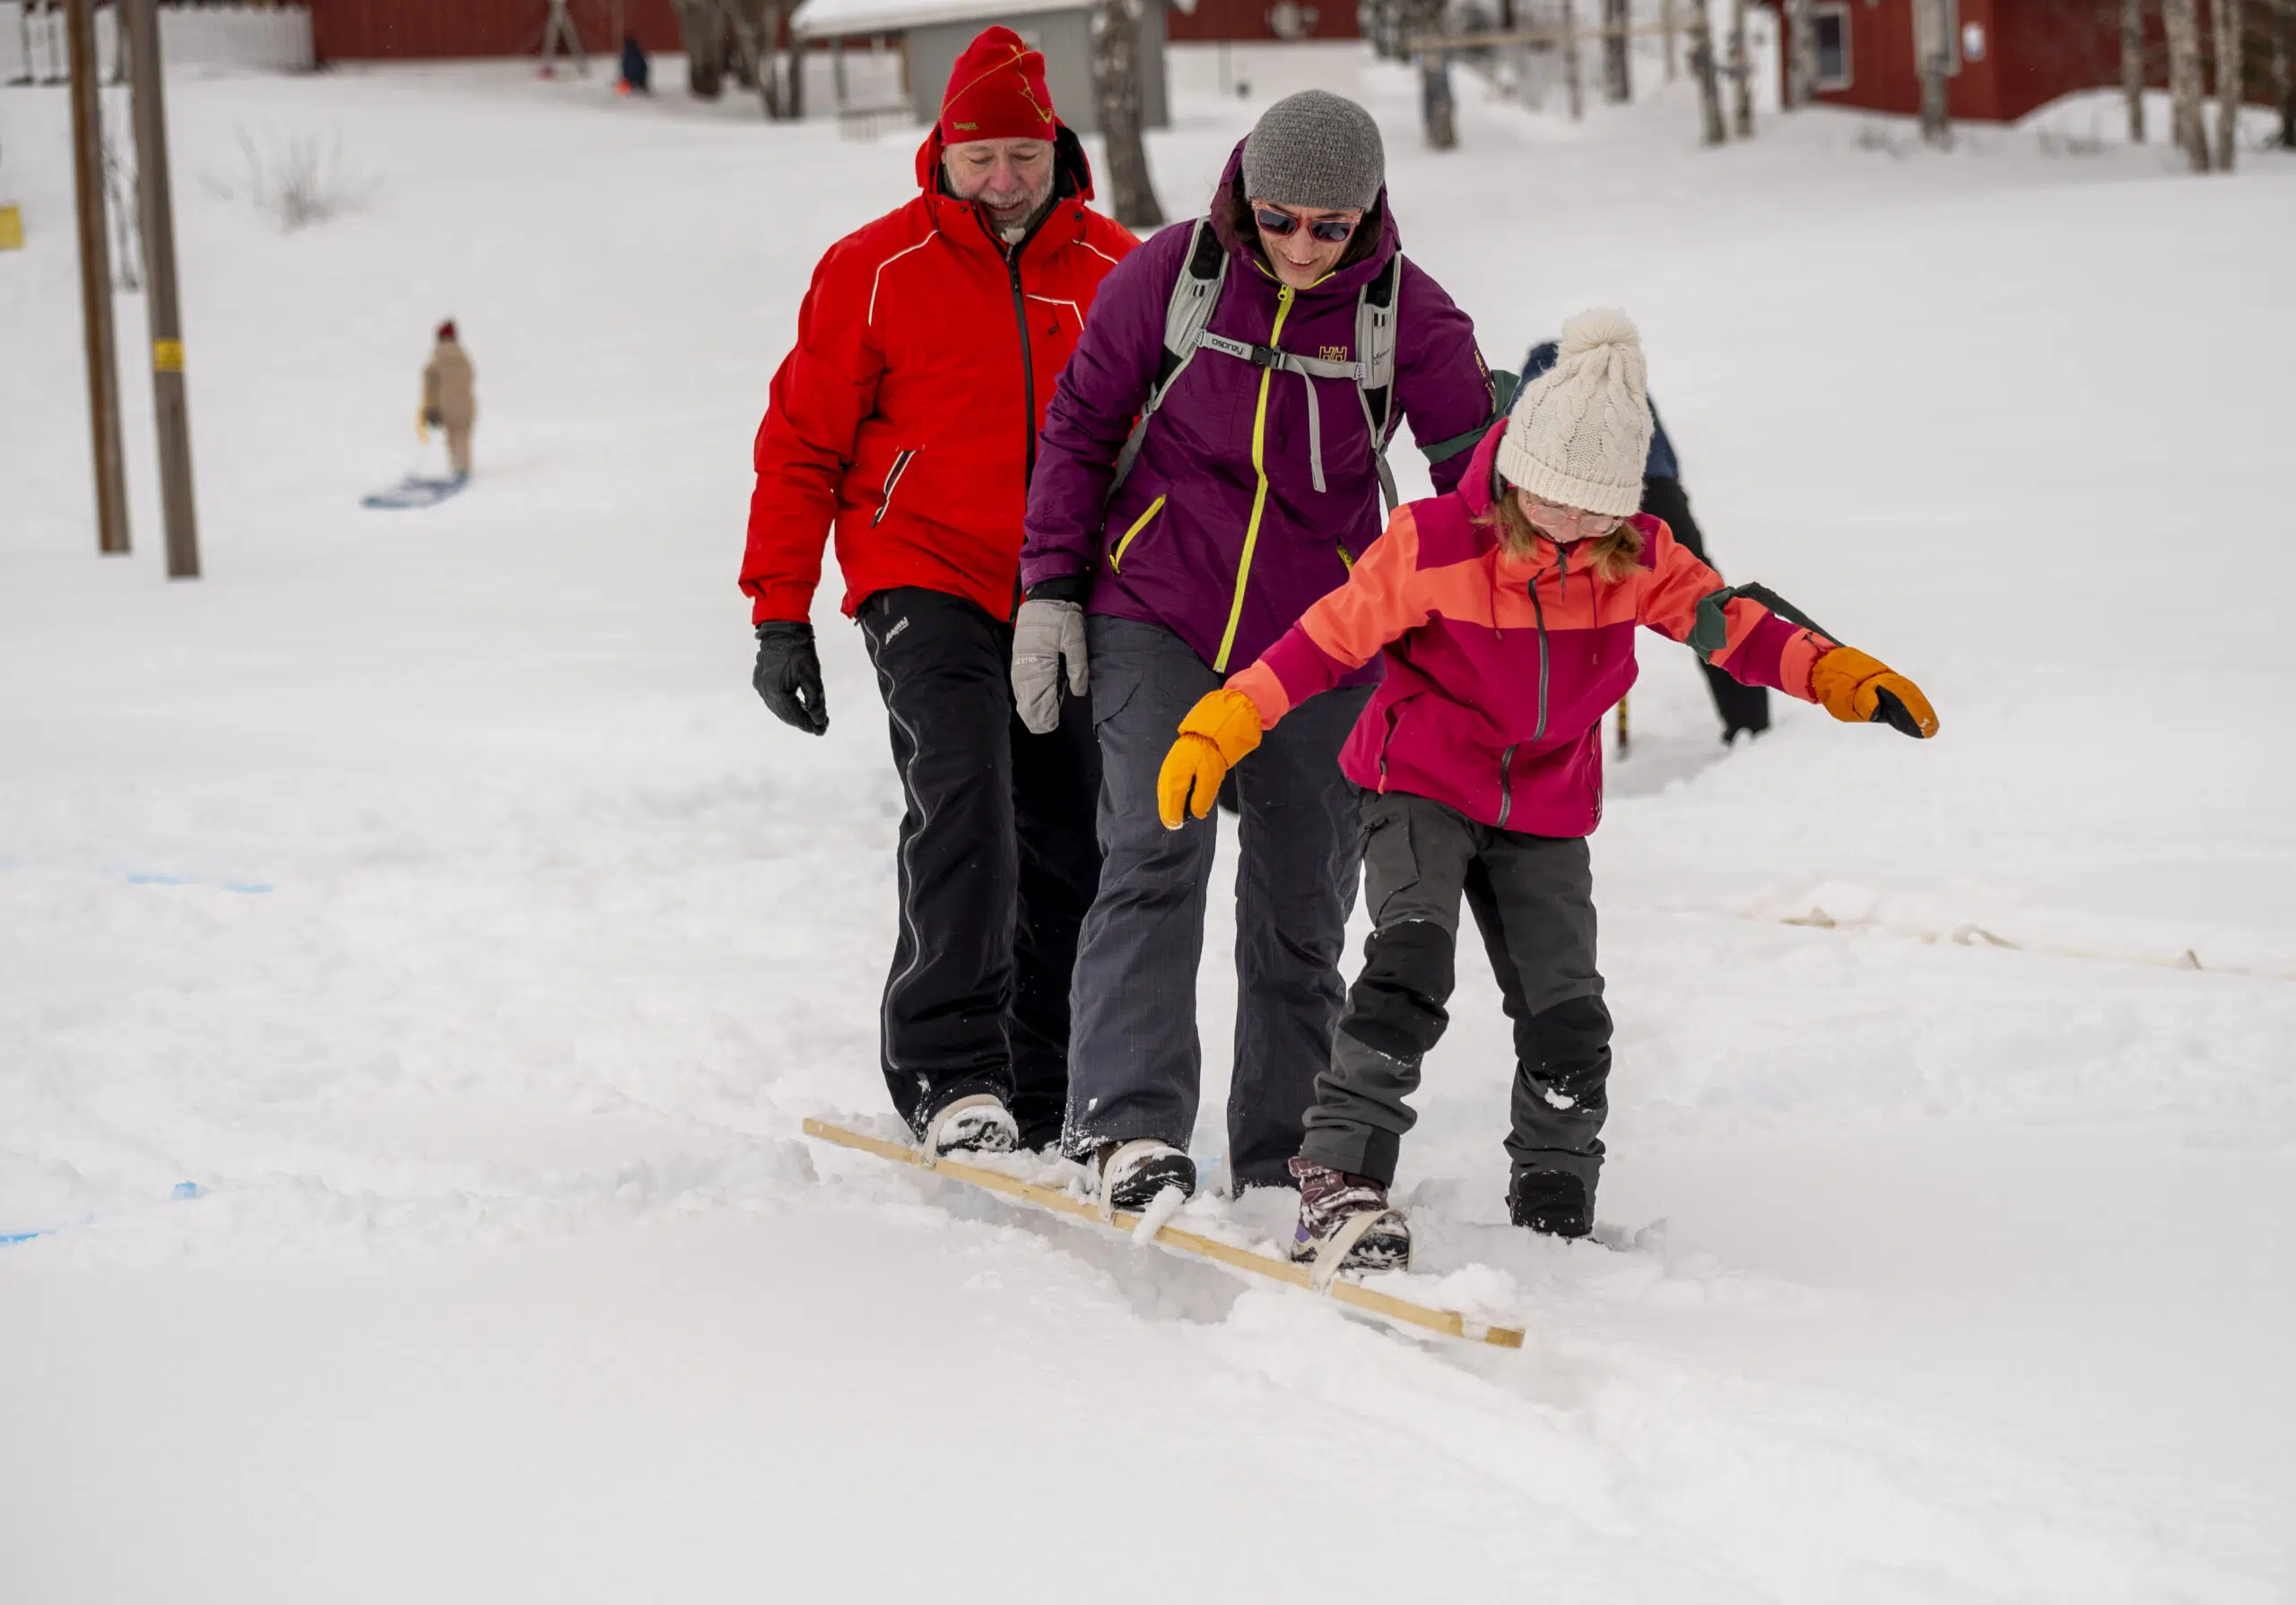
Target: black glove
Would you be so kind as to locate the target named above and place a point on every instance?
(433, 417)
(789, 675)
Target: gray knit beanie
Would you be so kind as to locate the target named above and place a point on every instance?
(1579, 433)
(1316, 150)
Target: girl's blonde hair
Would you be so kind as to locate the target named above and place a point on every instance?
(1612, 558)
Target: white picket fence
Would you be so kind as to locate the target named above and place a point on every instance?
(273, 38)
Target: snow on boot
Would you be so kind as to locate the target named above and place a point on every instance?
(1548, 1201)
(1331, 1204)
(977, 1125)
(1133, 1173)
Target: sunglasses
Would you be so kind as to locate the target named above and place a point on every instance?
(1331, 230)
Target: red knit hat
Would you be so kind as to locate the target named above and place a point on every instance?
(996, 90)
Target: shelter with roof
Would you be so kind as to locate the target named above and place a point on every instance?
(931, 34)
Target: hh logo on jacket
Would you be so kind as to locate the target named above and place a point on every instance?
(1333, 353)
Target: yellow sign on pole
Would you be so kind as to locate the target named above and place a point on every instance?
(12, 228)
(167, 356)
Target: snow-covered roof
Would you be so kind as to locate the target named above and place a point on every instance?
(830, 18)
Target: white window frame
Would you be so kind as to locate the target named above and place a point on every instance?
(1842, 81)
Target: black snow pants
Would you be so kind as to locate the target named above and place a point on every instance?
(1533, 896)
(997, 864)
(1744, 707)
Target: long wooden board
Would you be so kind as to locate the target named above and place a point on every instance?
(1449, 1322)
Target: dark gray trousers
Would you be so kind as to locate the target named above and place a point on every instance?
(1533, 896)
(1135, 1064)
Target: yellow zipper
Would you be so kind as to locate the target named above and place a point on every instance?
(1259, 495)
(1115, 557)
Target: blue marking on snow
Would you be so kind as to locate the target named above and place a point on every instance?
(158, 877)
(180, 1190)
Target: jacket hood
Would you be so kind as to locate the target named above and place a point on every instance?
(1072, 172)
(1349, 279)
(1479, 486)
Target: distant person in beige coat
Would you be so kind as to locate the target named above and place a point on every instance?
(450, 396)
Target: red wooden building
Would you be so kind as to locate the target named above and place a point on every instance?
(1239, 20)
(427, 30)
(2009, 56)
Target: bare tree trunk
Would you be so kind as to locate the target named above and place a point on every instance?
(1802, 62)
(1673, 29)
(1933, 46)
(1618, 81)
(1437, 112)
(1708, 71)
(1115, 89)
(2132, 66)
(1572, 82)
(1742, 73)
(2188, 116)
(2231, 82)
(2283, 70)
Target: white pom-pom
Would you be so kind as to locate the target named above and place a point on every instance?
(1595, 328)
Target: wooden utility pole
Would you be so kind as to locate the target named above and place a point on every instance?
(95, 280)
(170, 411)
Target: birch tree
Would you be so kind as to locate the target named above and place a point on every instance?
(1572, 83)
(1934, 44)
(1708, 71)
(2283, 69)
(2188, 115)
(2231, 81)
(1742, 73)
(2132, 66)
(1618, 83)
(1116, 93)
(1801, 62)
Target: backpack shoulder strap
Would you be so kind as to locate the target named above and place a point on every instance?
(1376, 311)
(1186, 315)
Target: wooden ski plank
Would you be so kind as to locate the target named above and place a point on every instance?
(1449, 1322)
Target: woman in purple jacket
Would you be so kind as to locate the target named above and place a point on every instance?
(1255, 488)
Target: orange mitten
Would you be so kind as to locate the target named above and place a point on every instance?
(1865, 691)
(1219, 730)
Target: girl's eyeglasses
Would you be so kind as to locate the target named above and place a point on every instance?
(1331, 230)
(1552, 516)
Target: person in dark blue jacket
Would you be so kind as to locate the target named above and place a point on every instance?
(635, 69)
(1744, 708)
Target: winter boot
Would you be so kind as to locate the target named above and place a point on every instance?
(1329, 1200)
(1132, 1174)
(1549, 1201)
(980, 1124)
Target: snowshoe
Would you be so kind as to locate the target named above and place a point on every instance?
(1346, 1223)
(980, 1124)
(1132, 1174)
(1550, 1202)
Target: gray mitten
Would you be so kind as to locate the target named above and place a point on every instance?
(1046, 636)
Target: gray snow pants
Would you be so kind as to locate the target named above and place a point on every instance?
(1135, 1062)
(1533, 896)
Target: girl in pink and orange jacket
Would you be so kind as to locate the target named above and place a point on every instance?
(1507, 612)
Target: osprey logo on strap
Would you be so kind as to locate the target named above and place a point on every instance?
(1188, 317)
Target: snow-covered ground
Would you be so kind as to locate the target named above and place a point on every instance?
(426, 898)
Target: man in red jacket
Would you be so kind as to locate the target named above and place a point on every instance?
(907, 417)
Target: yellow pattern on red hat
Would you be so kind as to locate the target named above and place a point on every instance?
(997, 91)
